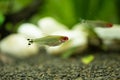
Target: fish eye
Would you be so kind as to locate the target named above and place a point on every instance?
(109, 24)
(65, 38)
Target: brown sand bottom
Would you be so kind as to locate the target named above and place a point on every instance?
(105, 66)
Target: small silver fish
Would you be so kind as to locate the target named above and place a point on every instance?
(51, 40)
(98, 23)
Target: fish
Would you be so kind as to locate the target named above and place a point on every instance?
(50, 40)
(98, 23)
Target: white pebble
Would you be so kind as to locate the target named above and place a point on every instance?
(16, 45)
(30, 30)
(49, 25)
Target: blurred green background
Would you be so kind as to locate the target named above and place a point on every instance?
(68, 12)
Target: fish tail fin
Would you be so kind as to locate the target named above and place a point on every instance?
(30, 41)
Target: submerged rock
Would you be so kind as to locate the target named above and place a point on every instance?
(17, 45)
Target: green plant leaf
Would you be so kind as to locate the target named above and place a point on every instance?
(2, 18)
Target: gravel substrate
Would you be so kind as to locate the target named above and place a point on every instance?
(105, 66)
